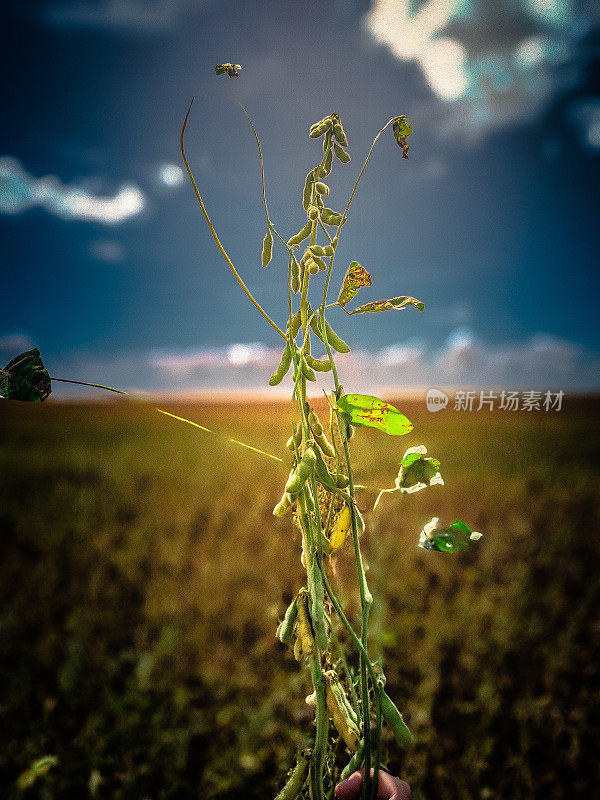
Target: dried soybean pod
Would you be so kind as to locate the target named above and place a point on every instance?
(342, 699)
(267, 250)
(317, 250)
(301, 235)
(308, 187)
(332, 337)
(302, 472)
(343, 156)
(304, 645)
(317, 609)
(322, 188)
(339, 133)
(313, 213)
(394, 719)
(283, 505)
(344, 725)
(296, 781)
(354, 762)
(306, 370)
(285, 629)
(342, 526)
(317, 364)
(284, 365)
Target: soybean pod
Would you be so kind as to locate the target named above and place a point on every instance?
(317, 608)
(267, 251)
(394, 719)
(302, 472)
(296, 781)
(301, 235)
(334, 340)
(282, 369)
(285, 630)
(317, 364)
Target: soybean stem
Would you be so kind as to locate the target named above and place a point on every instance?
(214, 233)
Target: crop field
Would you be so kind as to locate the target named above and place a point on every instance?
(142, 576)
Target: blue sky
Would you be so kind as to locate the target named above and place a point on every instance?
(108, 267)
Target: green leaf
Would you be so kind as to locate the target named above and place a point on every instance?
(355, 277)
(418, 472)
(25, 378)
(363, 410)
(453, 539)
(402, 128)
(397, 303)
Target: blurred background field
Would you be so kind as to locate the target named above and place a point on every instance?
(142, 577)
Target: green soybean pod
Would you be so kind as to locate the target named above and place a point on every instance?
(302, 472)
(307, 371)
(296, 781)
(267, 250)
(308, 186)
(331, 217)
(313, 213)
(328, 250)
(301, 235)
(285, 629)
(294, 326)
(314, 423)
(283, 505)
(295, 439)
(340, 134)
(325, 445)
(320, 263)
(354, 762)
(334, 340)
(342, 480)
(322, 188)
(394, 719)
(343, 156)
(295, 276)
(284, 365)
(313, 267)
(317, 250)
(317, 364)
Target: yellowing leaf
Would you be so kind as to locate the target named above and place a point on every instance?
(387, 305)
(363, 410)
(355, 277)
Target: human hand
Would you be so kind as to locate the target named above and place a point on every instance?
(389, 788)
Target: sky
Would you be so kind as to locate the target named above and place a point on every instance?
(108, 266)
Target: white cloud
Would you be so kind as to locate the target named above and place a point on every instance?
(170, 175)
(15, 343)
(20, 191)
(144, 16)
(488, 63)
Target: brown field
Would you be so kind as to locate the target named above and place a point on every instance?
(142, 577)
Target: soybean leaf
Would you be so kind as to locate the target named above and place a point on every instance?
(25, 378)
(402, 128)
(363, 410)
(397, 303)
(355, 277)
(453, 539)
(230, 69)
(37, 769)
(417, 472)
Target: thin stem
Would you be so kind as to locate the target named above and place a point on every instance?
(262, 166)
(322, 728)
(96, 385)
(214, 233)
(378, 699)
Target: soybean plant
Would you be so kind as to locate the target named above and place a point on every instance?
(319, 493)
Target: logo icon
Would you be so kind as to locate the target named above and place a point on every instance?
(435, 400)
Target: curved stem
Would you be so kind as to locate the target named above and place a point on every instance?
(262, 166)
(214, 233)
